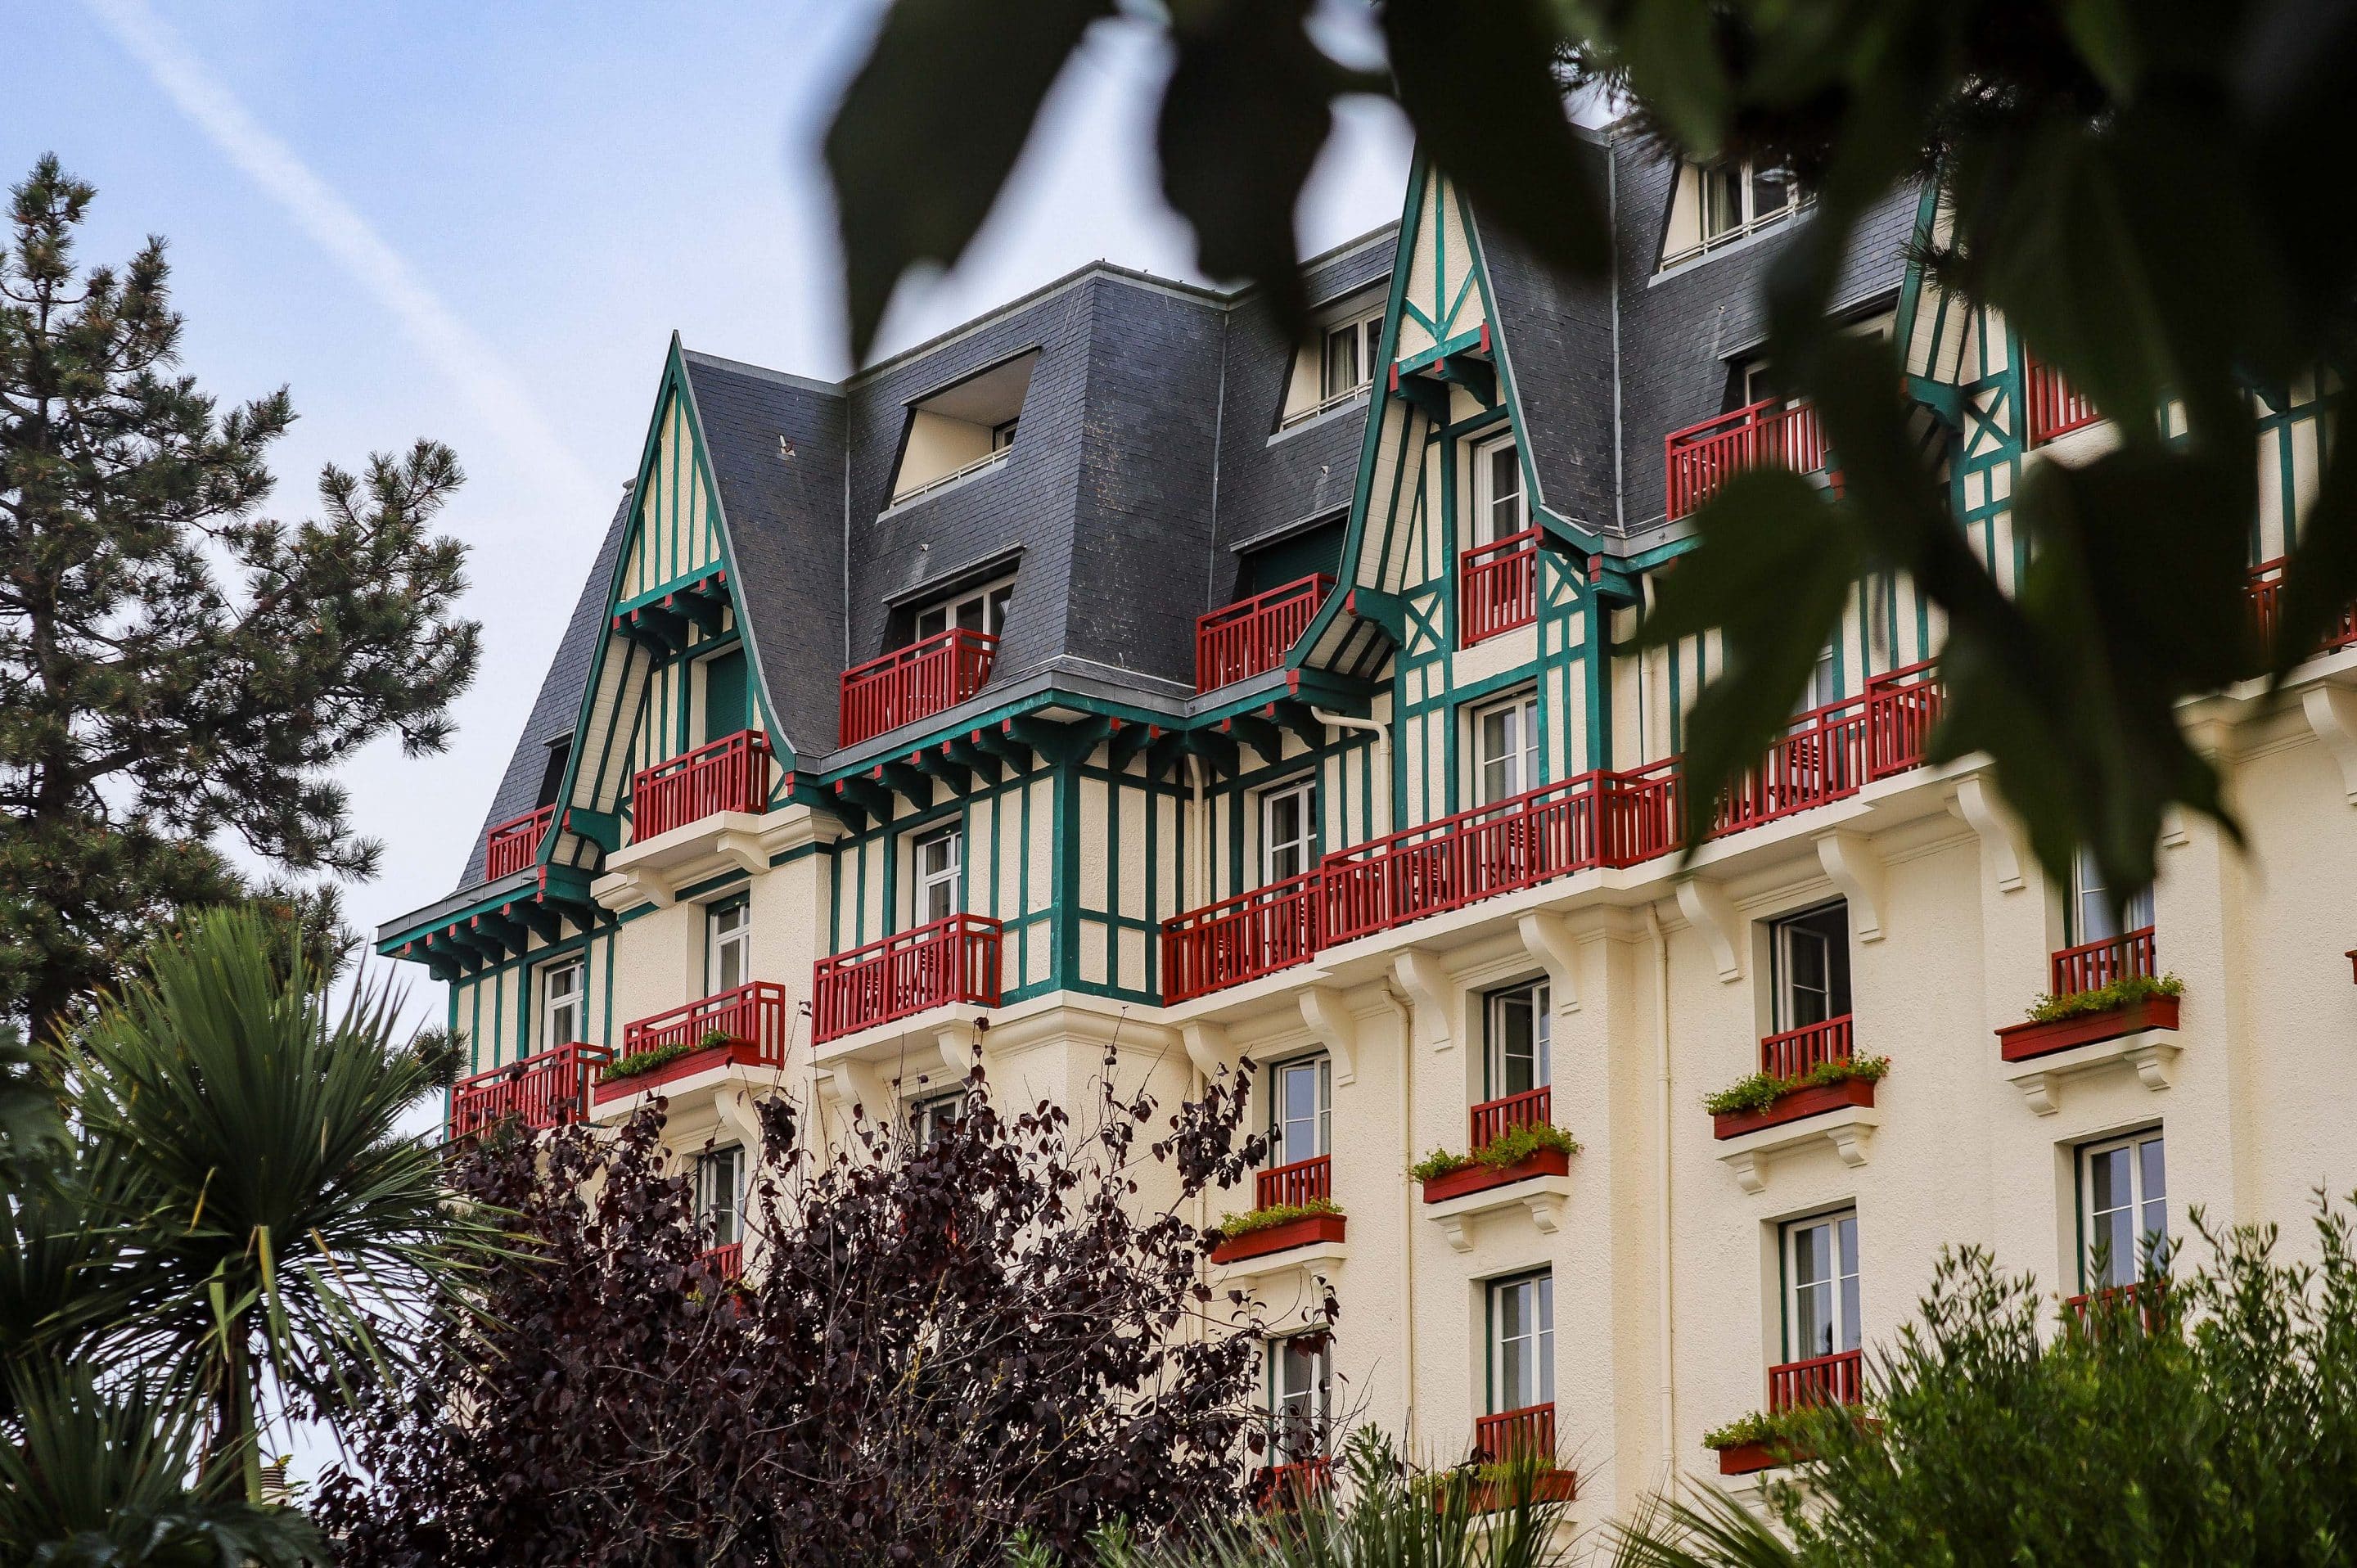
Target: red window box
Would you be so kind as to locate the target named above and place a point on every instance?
(1813, 1100)
(1278, 1487)
(514, 843)
(1497, 587)
(2024, 1042)
(1305, 1232)
(1477, 1178)
(1746, 1459)
(751, 1020)
(1766, 434)
(1240, 939)
(914, 682)
(1253, 635)
(545, 1090)
(731, 774)
(950, 960)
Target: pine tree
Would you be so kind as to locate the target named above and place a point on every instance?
(178, 672)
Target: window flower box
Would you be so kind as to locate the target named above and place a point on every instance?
(1245, 1240)
(1748, 1459)
(1811, 1099)
(1480, 1176)
(2023, 1042)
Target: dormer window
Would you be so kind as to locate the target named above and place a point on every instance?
(981, 610)
(1351, 352)
(963, 428)
(1716, 203)
(1340, 360)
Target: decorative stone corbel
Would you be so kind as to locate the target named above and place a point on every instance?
(1708, 910)
(742, 850)
(1856, 867)
(1208, 1048)
(733, 1103)
(2333, 714)
(1980, 812)
(858, 1083)
(1327, 1014)
(956, 1040)
(1426, 979)
(1548, 938)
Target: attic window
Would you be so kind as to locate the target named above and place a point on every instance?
(1340, 360)
(1718, 203)
(963, 429)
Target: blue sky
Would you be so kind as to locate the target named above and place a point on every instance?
(482, 222)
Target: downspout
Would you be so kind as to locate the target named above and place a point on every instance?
(1382, 734)
(1407, 1207)
(1663, 1234)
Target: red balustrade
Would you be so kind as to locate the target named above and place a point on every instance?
(1254, 634)
(728, 1260)
(1242, 938)
(1798, 1051)
(2141, 1303)
(2054, 409)
(1837, 1379)
(1768, 434)
(731, 774)
(1493, 1119)
(1280, 1486)
(953, 960)
(914, 682)
(2090, 966)
(514, 843)
(1302, 1182)
(1497, 587)
(1512, 1435)
(544, 1091)
(1834, 751)
(752, 1018)
(2266, 608)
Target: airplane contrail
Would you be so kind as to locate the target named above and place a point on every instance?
(350, 239)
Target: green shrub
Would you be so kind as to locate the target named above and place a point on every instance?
(1759, 1091)
(1510, 1148)
(1234, 1225)
(2127, 988)
(647, 1061)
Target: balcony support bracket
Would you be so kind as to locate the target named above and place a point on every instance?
(1548, 940)
(851, 1082)
(1855, 865)
(2332, 713)
(1848, 1131)
(1208, 1048)
(1973, 803)
(1709, 911)
(1327, 1014)
(2150, 1055)
(1425, 979)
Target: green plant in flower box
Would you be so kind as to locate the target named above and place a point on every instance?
(2120, 992)
(1759, 1090)
(1274, 1215)
(1508, 1149)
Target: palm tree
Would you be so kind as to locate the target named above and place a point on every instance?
(273, 1227)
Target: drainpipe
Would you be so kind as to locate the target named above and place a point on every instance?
(1663, 1234)
(1407, 1207)
(1382, 734)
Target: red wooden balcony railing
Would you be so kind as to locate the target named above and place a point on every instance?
(2090, 966)
(1242, 938)
(2266, 604)
(1287, 1485)
(514, 843)
(1493, 1119)
(1837, 750)
(544, 1091)
(728, 1260)
(1303, 1181)
(1497, 587)
(1802, 1050)
(1596, 819)
(731, 774)
(2054, 409)
(1837, 1379)
(1768, 434)
(1252, 635)
(2144, 1296)
(754, 1014)
(953, 960)
(914, 682)
(1512, 1434)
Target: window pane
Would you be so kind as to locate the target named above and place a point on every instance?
(1517, 1053)
(995, 619)
(1505, 478)
(969, 613)
(1341, 361)
(2153, 1223)
(1297, 1120)
(932, 622)
(1494, 733)
(1852, 1336)
(1722, 199)
(1770, 193)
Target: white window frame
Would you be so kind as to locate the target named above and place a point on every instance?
(1538, 1343)
(1297, 1416)
(1318, 1071)
(720, 1193)
(1364, 333)
(1001, 435)
(981, 610)
(1837, 1291)
(1520, 753)
(1302, 793)
(1498, 1006)
(948, 880)
(2090, 912)
(1487, 528)
(931, 1115)
(2144, 1204)
(572, 1002)
(1790, 935)
(729, 933)
(1749, 215)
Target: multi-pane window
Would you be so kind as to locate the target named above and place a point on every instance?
(1501, 508)
(1300, 1108)
(1520, 1051)
(1288, 830)
(1737, 195)
(981, 610)
(1824, 689)
(562, 1003)
(720, 1194)
(1002, 436)
(1810, 952)
(2124, 1210)
(937, 855)
(1522, 1343)
(2092, 917)
(1821, 1314)
(1299, 1384)
(728, 946)
(1352, 349)
(935, 1114)
(1506, 748)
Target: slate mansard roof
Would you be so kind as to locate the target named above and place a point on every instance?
(1150, 457)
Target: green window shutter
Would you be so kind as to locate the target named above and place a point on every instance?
(724, 695)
